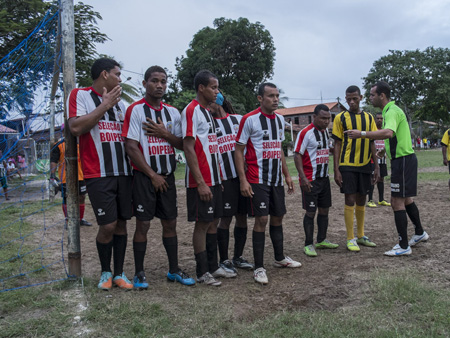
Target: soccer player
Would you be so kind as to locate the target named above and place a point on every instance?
(152, 156)
(379, 145)
(3, 176)
(311, 160)
(57, 161)
(445, 142)
(260, 134)
(397, 138)
(203, 182)
(96, 117)
(352, 169)
(234, 204)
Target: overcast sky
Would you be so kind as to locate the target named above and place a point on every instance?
(322, 47)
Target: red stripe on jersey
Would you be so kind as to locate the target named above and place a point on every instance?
(91, 165)
(126, 122)
(246, 116)
(202, 164)
(189, 113)
(73, 102)
(252, 163)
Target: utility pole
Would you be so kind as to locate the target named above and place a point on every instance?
(73, 210)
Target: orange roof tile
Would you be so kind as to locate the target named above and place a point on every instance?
(303, 109)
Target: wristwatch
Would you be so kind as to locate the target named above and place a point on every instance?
(363, 134)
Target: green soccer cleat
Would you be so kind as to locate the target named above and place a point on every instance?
(352, 246)
(326, 244)
(310, 251)
(364, 240)
(384, 203)
(371, 204)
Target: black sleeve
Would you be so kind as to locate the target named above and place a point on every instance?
(55, 154)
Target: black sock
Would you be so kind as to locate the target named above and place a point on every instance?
(223, 238)
(211, 249)
(413, 213)
(308, 225)
(201, 259)
(104, 254)
(401, 222)
(380, 186)
(139, 249)
(371, 193)
(258, 239)
(276, 235)
(171, 246)
(240, 237)
(119, 249)
(322, 227)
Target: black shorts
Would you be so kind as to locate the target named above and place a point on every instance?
(4, 182)
(110, 198)
(233, 201)
(81, 190)
(267, 200)
(147, 203)
(201, 211)
(319, 196)
(383, 169)
(355, 182)
(404, 176)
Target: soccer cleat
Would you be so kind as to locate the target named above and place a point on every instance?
(180, 277)
(242, 263)
(208, 279)
(352, 246)
(418, 238)
(398, 251)
(326, 244)
(384, 203)
(287, 262)
(310, 251)
(85, 223)
(222, 272)
(140, 281)
(105, 281)
(371, 204)
(123, 282)
(364, 240)
(260, 276)
(228, 265)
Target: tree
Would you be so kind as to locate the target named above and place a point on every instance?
(419, 80)
(239, 52)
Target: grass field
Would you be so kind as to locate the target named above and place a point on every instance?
(397, 302)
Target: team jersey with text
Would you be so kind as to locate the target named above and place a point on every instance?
(158, 152)
(379, 145)
(312, 144)
(197, 122)
(262, 134)
(102, 149)
(226, 130)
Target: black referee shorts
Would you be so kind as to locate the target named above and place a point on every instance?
(404, 176)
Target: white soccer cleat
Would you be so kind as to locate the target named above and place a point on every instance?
(260, 276)
(398, 251)
(418, 238)
(287, 262)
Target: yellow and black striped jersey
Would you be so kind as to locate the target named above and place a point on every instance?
(355, 154)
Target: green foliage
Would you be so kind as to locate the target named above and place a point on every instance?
(419, 80)
(287, 142)
(239, 52)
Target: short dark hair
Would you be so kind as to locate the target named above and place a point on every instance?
(102, 64)
(320, 107)
(383, 87)
(262, 87)
(202, 78)
(153, 69)
(353, 89)
(379, 113)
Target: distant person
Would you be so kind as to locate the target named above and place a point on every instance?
(397, 137)
(3, 176)
(96, 117)
(445, 142)
(312, 153)
(58, 162)
(425, 143)
(379, 145)
(260, 135)
(234, 204)
(153, 158)
(352, 169)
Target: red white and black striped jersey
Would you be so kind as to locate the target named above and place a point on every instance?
(226, 130)
(197, 122)
(312, 144)
(262, 134)
(159, 153)
(379, 144)
(102, 149)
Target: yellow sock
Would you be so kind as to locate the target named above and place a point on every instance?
(359, 214)
(348, 217)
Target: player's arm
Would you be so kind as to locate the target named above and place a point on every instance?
(159, 130)
(246, 188)
(336, 155)
(286, 173)
(191, 159)
(138, 159)
(444, 153)
(376, 171)
(80, 125)
(381, 134)
(304, 182)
